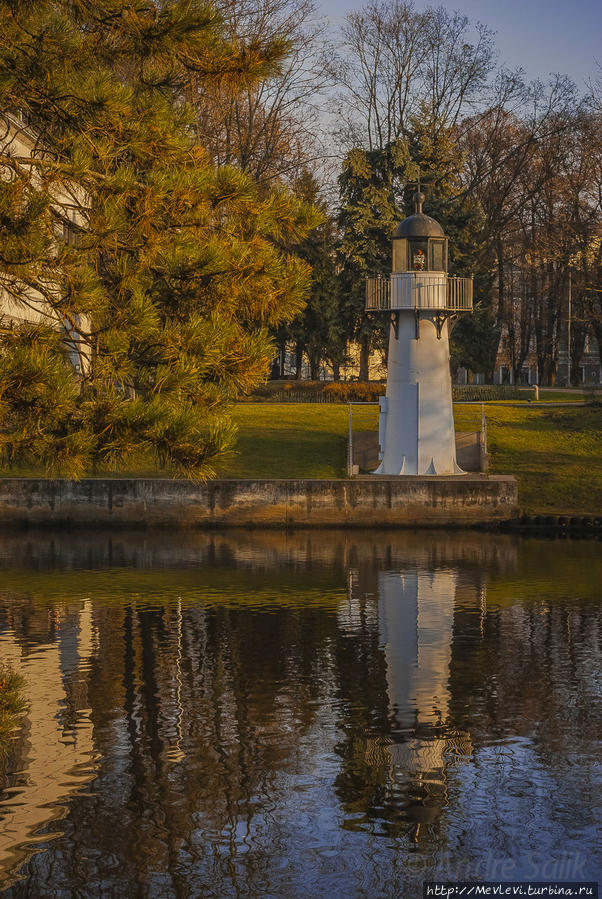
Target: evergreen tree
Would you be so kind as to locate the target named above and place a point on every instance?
(318, 331)
(167, 285)
(371, 185)
(434, 149)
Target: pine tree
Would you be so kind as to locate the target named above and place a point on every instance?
(168, 282)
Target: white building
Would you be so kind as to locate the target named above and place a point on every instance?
(25, 154)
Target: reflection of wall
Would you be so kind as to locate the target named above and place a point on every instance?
(56, 760)
(257, 550)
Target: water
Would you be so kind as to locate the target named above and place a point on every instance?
(318, 714)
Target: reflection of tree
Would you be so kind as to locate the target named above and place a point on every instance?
(363, 706)
(12, 706)
(249, 686)
(212, 716)
(528, 657)
(523, 679)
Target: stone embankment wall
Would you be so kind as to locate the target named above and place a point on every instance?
(359, 502)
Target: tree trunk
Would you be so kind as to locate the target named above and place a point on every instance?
(299, 350)
(364, 358)
(502, 317)
(282, 356)
(314, 368)
(501, 284)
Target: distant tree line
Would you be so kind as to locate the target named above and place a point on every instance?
(512, 170)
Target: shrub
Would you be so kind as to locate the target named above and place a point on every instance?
(319, 392)
(12, 705)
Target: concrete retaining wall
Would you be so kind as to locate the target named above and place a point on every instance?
(360, 502)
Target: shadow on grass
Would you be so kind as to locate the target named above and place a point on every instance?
(291, 455)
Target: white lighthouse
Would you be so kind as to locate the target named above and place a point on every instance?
(416, 425)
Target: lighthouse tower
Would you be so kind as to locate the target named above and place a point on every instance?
(416, 425)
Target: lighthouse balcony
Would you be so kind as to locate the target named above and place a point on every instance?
(418, 290)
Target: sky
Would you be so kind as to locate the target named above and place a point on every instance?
(541, 36)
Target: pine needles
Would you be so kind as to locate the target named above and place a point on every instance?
(143, 277)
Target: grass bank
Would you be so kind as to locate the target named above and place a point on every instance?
(556, 453)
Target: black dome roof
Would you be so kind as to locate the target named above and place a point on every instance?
(419, 224)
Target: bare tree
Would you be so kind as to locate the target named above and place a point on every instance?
(398, 64)
(530, 161)
(269, 129)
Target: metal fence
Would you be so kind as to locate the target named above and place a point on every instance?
(459, 294)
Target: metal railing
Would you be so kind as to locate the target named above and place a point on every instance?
(414, 291)
(459, 294)
(378, 294)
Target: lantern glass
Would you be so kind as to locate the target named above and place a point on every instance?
(437, 256)
(400, 255)
(419, 256)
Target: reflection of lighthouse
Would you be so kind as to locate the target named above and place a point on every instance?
(403, 768)
(415, 615)
(416, 426)
(413, 612)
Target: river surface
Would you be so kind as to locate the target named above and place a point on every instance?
(320, 714)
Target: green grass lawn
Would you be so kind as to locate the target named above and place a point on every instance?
(294, 440)
(556, 454)
(549, 395)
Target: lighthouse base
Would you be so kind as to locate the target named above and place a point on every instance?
(408, 467)
(416, 426)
